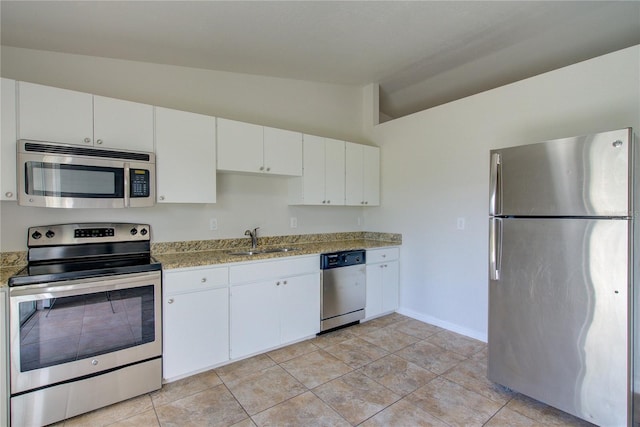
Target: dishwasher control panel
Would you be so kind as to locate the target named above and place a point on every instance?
(342, 259)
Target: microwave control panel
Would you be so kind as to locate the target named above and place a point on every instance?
(139, 179)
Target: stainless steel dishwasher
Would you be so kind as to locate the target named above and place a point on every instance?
(343, 288)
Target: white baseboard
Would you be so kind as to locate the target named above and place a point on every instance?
(481, 336)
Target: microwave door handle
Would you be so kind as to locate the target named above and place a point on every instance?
(127, 195)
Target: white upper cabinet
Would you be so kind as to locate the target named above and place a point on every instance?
(282, 152)
(362, 171)
(8, 185)
(245, 147)
(185, 157)
(122, 124)
(322, 181)
(66, 116)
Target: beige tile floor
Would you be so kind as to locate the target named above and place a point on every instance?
(391, 371)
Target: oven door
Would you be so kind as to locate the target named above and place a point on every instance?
(66, 330)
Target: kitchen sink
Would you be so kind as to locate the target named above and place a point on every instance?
(261, 251)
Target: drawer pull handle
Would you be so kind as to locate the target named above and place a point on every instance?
(170, 301)
(203, 280)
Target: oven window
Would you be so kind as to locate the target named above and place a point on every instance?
(63, 180)
(71, 328)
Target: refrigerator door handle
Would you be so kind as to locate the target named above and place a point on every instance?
(495, 248)
(495, 200)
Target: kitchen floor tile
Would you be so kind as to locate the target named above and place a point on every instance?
(453, 403)
(432, 377)
(261, 390)
(397, 374)
(355, 396)
(213, 407)
(237, 370)
(292, 351)
(316, 368)
(403, 413)
(472, 374)
(457, 343)
(356, 352)
(416, 328)
(145, 419)
(430, 356)
(303, 410)
(389, 339)
(185, 387)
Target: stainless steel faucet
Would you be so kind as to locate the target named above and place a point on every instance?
(254, 237)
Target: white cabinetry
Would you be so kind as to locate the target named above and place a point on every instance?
(8, 137)
(4, 357)
(245, 147)
(196, 320)
(185, 157)
(60, 115)
(382, 281)
(322, 181)
(362, 186)
(273, 303)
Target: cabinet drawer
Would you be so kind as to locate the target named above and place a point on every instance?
(258, 271)
(382, 255)
(194, 280)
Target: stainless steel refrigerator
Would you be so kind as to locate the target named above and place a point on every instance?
(561, 273)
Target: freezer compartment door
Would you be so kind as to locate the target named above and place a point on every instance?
(581, 176)
(558, 315)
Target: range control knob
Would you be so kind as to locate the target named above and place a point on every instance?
(144, 231)
(134, 231)
(50, 234)
(36, 235)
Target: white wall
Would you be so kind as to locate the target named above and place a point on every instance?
(435, 170)
(243, 201)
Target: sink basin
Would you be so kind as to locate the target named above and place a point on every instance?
(246, 252)
(261, 251)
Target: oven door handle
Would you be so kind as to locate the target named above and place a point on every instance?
(127, 183)
(76, 287)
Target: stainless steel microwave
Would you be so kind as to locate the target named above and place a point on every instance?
(68, 176)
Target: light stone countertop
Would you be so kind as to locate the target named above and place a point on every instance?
(201, 253)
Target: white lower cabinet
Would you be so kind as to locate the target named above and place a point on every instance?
(273, 303)
(383, 270)
(195, 321)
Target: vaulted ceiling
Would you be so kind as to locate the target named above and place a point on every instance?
(422, 53)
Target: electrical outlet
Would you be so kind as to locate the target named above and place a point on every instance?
(213, 224)
(293, 222)
(461, 223)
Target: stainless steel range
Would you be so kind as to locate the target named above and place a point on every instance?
(85, 321)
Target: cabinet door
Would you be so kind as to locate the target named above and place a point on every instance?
(334, 171)
(300, 307)
(354, 174)
(255, 318)
(120, 124)
(282, 152)
(371, 175)
(314, 170)
(196, 331)
(240, 146)
(374, 290)
(8, 185)
(390, 284)
(185, 157)
(56, 115)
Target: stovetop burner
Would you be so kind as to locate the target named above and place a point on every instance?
(77, 251)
